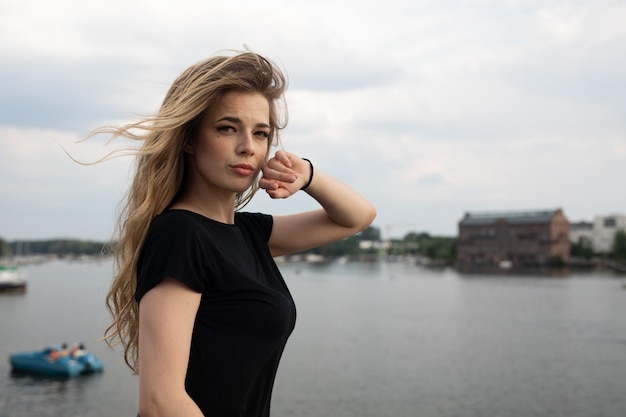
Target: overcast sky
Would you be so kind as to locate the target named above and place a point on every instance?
(429, 108)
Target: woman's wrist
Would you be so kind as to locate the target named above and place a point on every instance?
(305, 186)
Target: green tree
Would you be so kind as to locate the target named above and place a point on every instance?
(582, 248)
(348, 246)
(60, 247)
(371, 233)
(433, 247)
(619, 246)
(5, 250)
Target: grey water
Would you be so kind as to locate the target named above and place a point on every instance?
(372, 339)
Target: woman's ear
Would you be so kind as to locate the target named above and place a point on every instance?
(188, 148)
(191, 133)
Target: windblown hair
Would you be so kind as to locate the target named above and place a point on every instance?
(161, 166)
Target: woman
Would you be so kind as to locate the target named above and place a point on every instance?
(197, 300)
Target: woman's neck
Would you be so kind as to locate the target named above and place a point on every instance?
(212, 207)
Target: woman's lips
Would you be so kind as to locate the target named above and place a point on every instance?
(242, 169)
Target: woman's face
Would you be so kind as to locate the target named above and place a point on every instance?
(231, 144)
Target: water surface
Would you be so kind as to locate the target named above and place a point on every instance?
(372, 339)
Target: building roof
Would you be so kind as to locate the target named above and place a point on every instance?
(581, 226)
(511, 217)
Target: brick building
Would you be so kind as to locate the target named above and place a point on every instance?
(513, 239)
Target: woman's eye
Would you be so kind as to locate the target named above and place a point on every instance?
(225, 129)
(263, 134)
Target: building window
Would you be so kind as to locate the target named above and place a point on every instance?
(610, 222)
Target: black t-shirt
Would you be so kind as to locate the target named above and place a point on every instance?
(246, 312)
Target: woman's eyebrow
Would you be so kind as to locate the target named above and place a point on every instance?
(238, 121)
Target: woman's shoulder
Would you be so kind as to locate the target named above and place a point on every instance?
(255, 222)
(251, 216)
(174, 224)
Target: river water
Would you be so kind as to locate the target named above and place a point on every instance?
(372, 340)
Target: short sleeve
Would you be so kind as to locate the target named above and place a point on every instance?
(172, 249)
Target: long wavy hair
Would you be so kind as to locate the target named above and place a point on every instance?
(161, 166)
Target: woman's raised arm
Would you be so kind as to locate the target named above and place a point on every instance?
(344, 211)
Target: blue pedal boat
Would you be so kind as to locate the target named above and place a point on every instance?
(40, 362)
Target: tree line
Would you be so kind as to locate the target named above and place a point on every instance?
(366, 243)
(58, 247)
(583, 249)
(369, 243)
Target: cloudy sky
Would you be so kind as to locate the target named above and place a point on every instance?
(430, 108)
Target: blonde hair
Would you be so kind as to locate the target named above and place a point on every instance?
(161, 167)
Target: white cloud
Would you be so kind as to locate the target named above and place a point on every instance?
(429, 108)
(47, 194)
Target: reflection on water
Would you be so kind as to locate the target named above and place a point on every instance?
(37, 395)
(372, 339)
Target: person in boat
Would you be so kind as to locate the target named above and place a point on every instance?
(78, 350)
(197, 301)
(55, 354)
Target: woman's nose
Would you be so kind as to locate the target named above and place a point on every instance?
(246, 144)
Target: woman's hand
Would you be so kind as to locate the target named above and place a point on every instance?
(284, 175)
(343, 211)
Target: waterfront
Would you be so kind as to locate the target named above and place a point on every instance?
(372, 339)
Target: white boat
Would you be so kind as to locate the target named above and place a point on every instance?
(10, 280)
(505, 264)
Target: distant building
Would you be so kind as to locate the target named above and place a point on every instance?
(604, 229)
(513, 239)
(581, 233)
